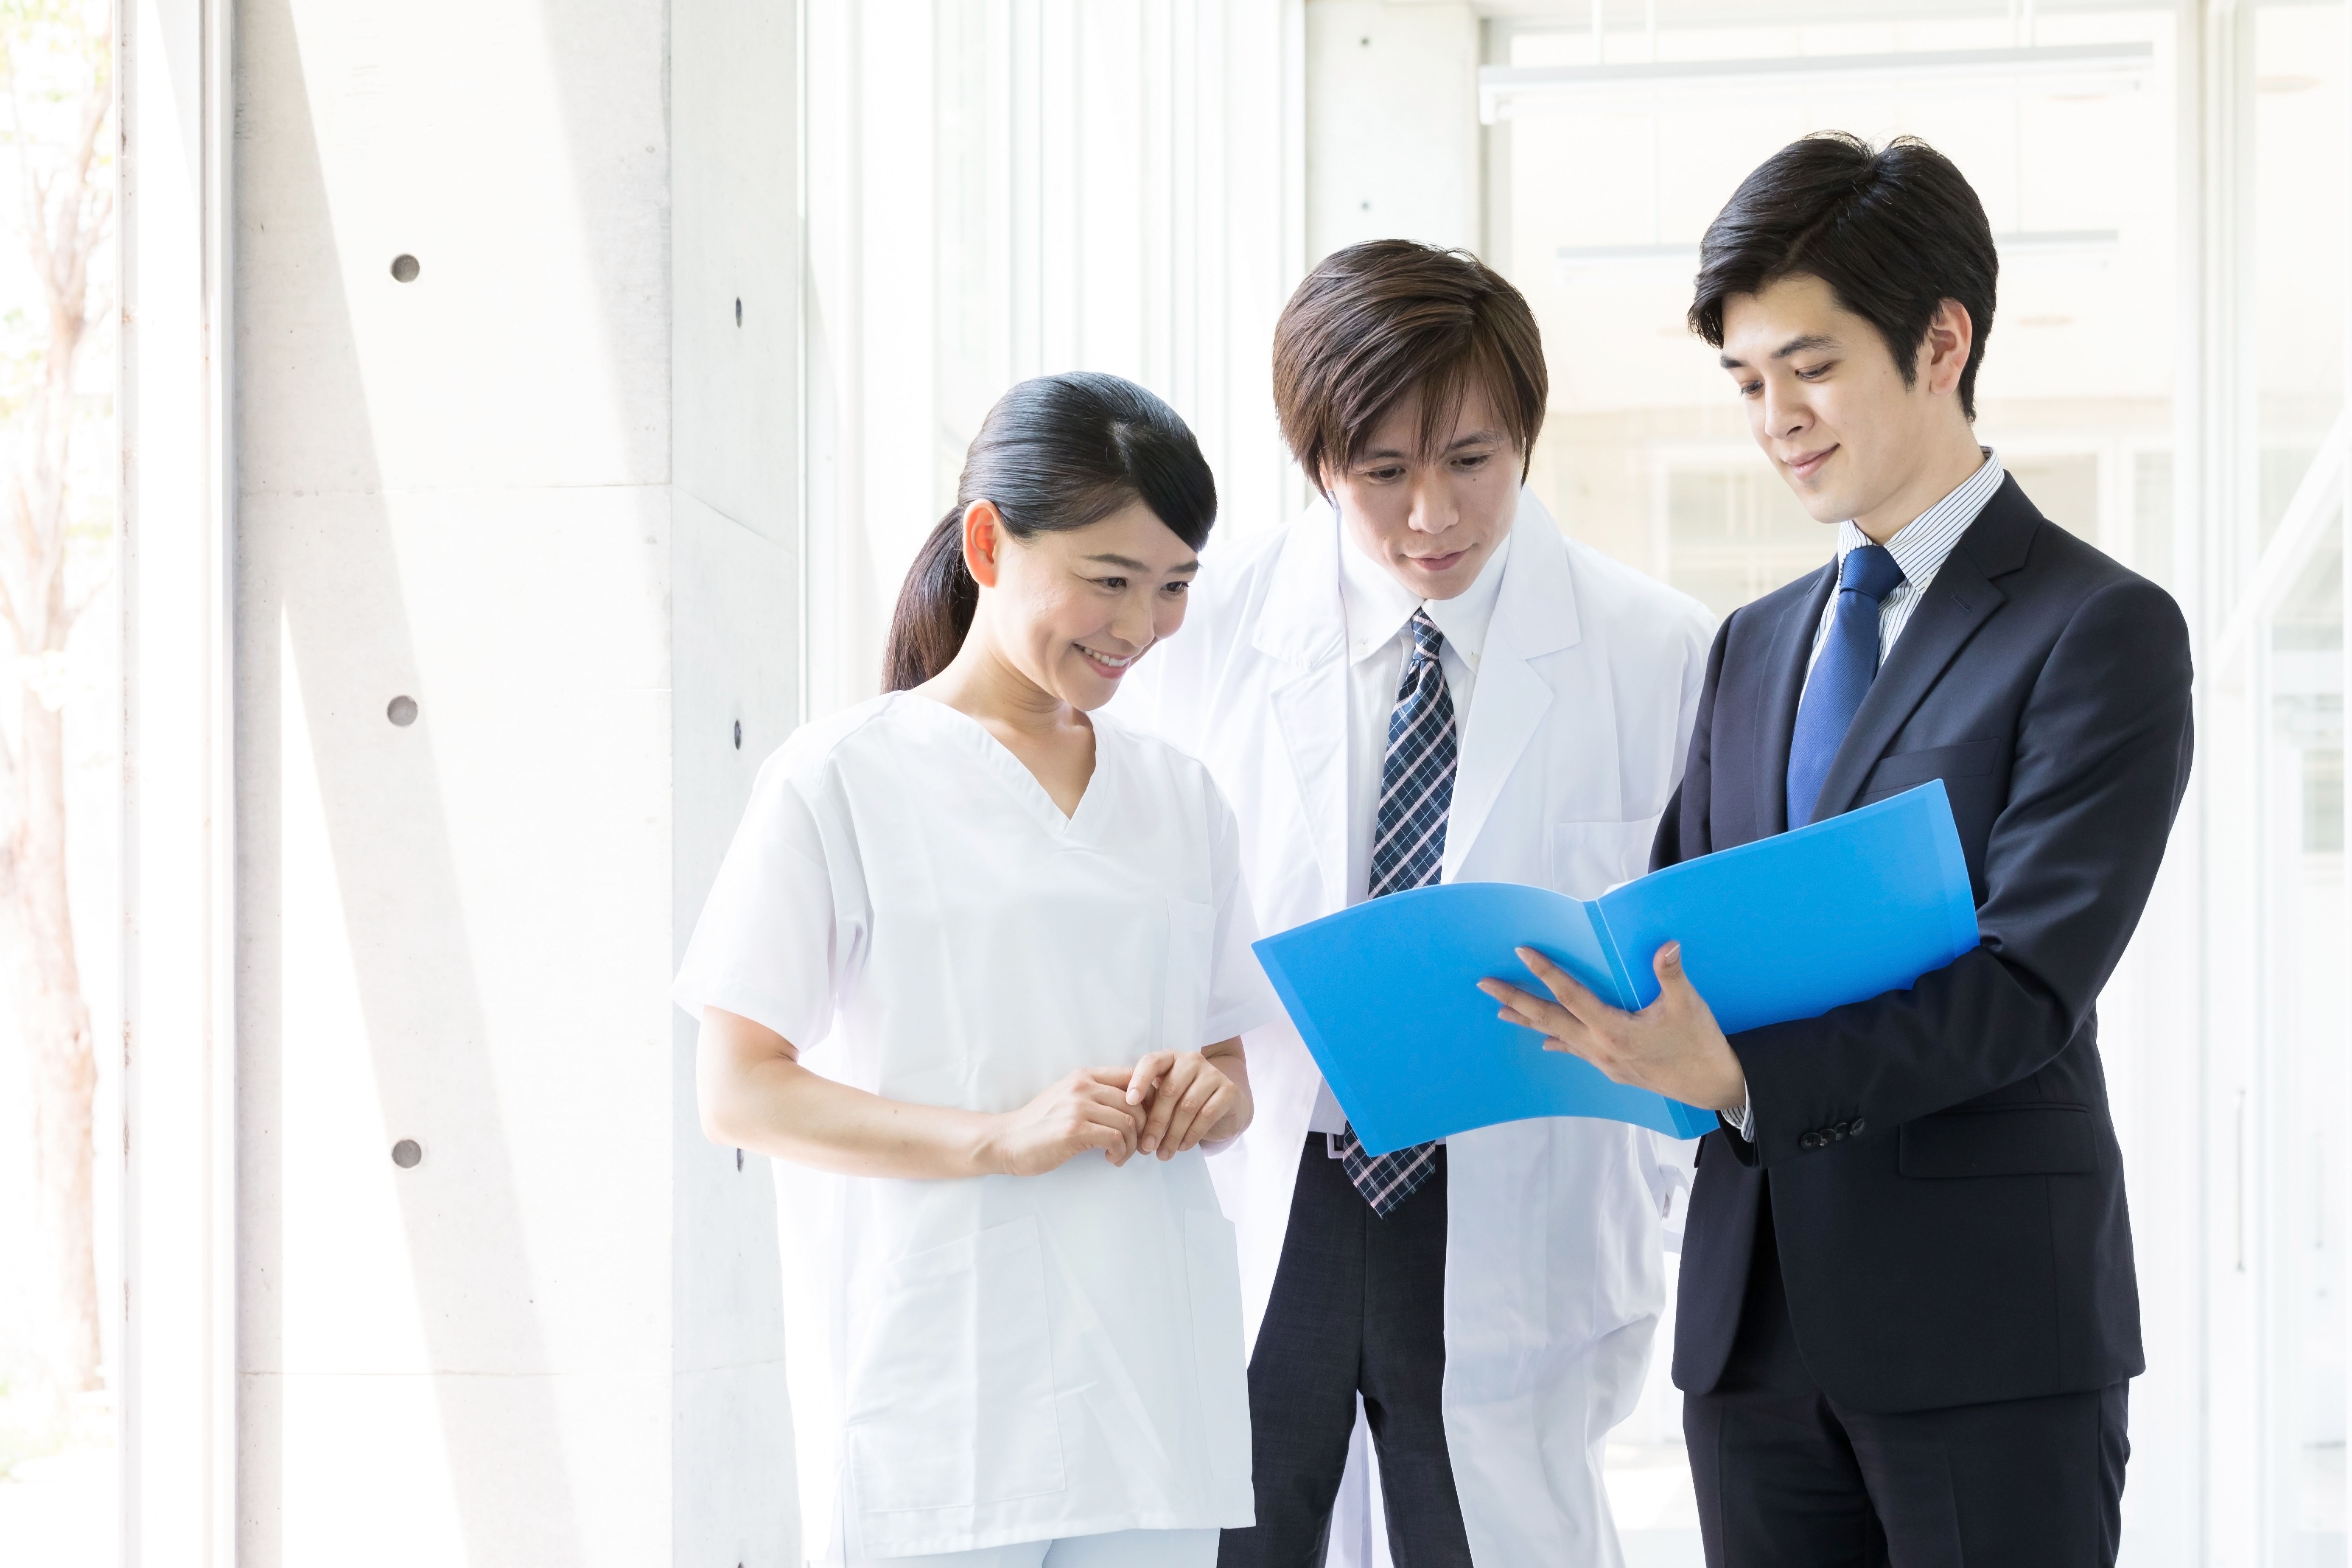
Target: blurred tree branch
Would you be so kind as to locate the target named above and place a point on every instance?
(65, 183)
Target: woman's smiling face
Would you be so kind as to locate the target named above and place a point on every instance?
(1071, 610)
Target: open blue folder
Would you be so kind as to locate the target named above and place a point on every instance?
(1386, 993)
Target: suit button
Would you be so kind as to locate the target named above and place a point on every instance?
(1810, 1142)
(1856, 1125)
(1843, 1128)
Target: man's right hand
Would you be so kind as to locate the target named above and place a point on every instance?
(1081, 1110)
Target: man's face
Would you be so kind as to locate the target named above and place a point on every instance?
(1826, 401)
(1432, 522)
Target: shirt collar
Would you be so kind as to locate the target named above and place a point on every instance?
(1376, 605)
(1920, 546)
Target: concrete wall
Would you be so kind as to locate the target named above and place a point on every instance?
(1392, 134)
(552, 1338)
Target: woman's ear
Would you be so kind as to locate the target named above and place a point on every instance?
(983, 540)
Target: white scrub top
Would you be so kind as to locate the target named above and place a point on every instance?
(998, 1359)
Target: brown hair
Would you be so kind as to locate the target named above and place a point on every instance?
(1058, 452)
(1375, 323)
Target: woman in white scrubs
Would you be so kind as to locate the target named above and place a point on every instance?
(979, 955)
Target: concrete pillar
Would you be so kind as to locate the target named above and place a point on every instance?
(1392, 134)
(516, 557)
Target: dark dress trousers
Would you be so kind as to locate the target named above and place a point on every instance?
(1935, 1201)
(1358, 1307)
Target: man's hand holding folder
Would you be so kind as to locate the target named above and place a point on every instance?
(1647, 979)
(1673, 1047)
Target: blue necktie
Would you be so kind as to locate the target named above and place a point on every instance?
(1408, 847)
(1841, 677)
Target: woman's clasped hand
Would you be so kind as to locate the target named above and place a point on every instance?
(1166, 1103)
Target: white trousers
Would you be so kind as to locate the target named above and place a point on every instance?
(1117, 1548)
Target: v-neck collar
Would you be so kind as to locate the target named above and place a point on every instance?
(1014, 773)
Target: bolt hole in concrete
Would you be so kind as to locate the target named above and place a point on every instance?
(738, 735)
(402, 710)
(404, 268)
(406, 1154)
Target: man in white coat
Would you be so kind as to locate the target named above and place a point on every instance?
(1422, 679)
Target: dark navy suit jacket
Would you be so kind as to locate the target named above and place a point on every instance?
(1945, 1186)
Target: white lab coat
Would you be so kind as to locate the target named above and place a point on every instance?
(1579, 723)
(1000, 1359)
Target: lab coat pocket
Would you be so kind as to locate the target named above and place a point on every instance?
(1588, 858)
(1213, 1274)
(950, 1398)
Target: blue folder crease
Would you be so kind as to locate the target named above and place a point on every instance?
(1385, 994)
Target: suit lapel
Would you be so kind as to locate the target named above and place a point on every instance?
(1785, 660)
(1960, 600)
(1535, 614)
(1303, 626)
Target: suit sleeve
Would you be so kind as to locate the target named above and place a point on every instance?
(2101, 760)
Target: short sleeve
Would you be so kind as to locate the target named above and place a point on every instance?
(767, 945)
(1240, 997)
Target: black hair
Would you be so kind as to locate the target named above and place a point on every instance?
(1056, 453)
(1893, 231)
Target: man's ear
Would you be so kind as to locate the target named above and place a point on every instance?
(984, 541)
(1944, 350)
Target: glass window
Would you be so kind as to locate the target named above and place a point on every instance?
(2302, 1074)
(2297, 157)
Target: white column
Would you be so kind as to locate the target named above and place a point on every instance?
(177, 1378)
(1018, 187)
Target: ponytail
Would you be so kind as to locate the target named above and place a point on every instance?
(935, 609)
(1058, 452)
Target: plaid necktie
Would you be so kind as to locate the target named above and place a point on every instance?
(1408, 843)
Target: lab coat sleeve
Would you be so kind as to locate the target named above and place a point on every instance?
(1240, 997)
(766, 947)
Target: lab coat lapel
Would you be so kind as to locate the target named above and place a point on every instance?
(1784, 685)
(1535, 614)
(1304, 628)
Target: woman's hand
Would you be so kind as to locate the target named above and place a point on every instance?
(1085, 1109)
(1193, 1097)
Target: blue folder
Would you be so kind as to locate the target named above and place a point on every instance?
(1386, 994)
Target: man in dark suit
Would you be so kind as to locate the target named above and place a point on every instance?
(1907, 1312)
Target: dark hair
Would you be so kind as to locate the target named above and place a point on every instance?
(1893, 232)
(1056, 453)
(1375, 322)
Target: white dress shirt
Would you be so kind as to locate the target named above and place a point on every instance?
(1920, 548)
(1377, 609)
